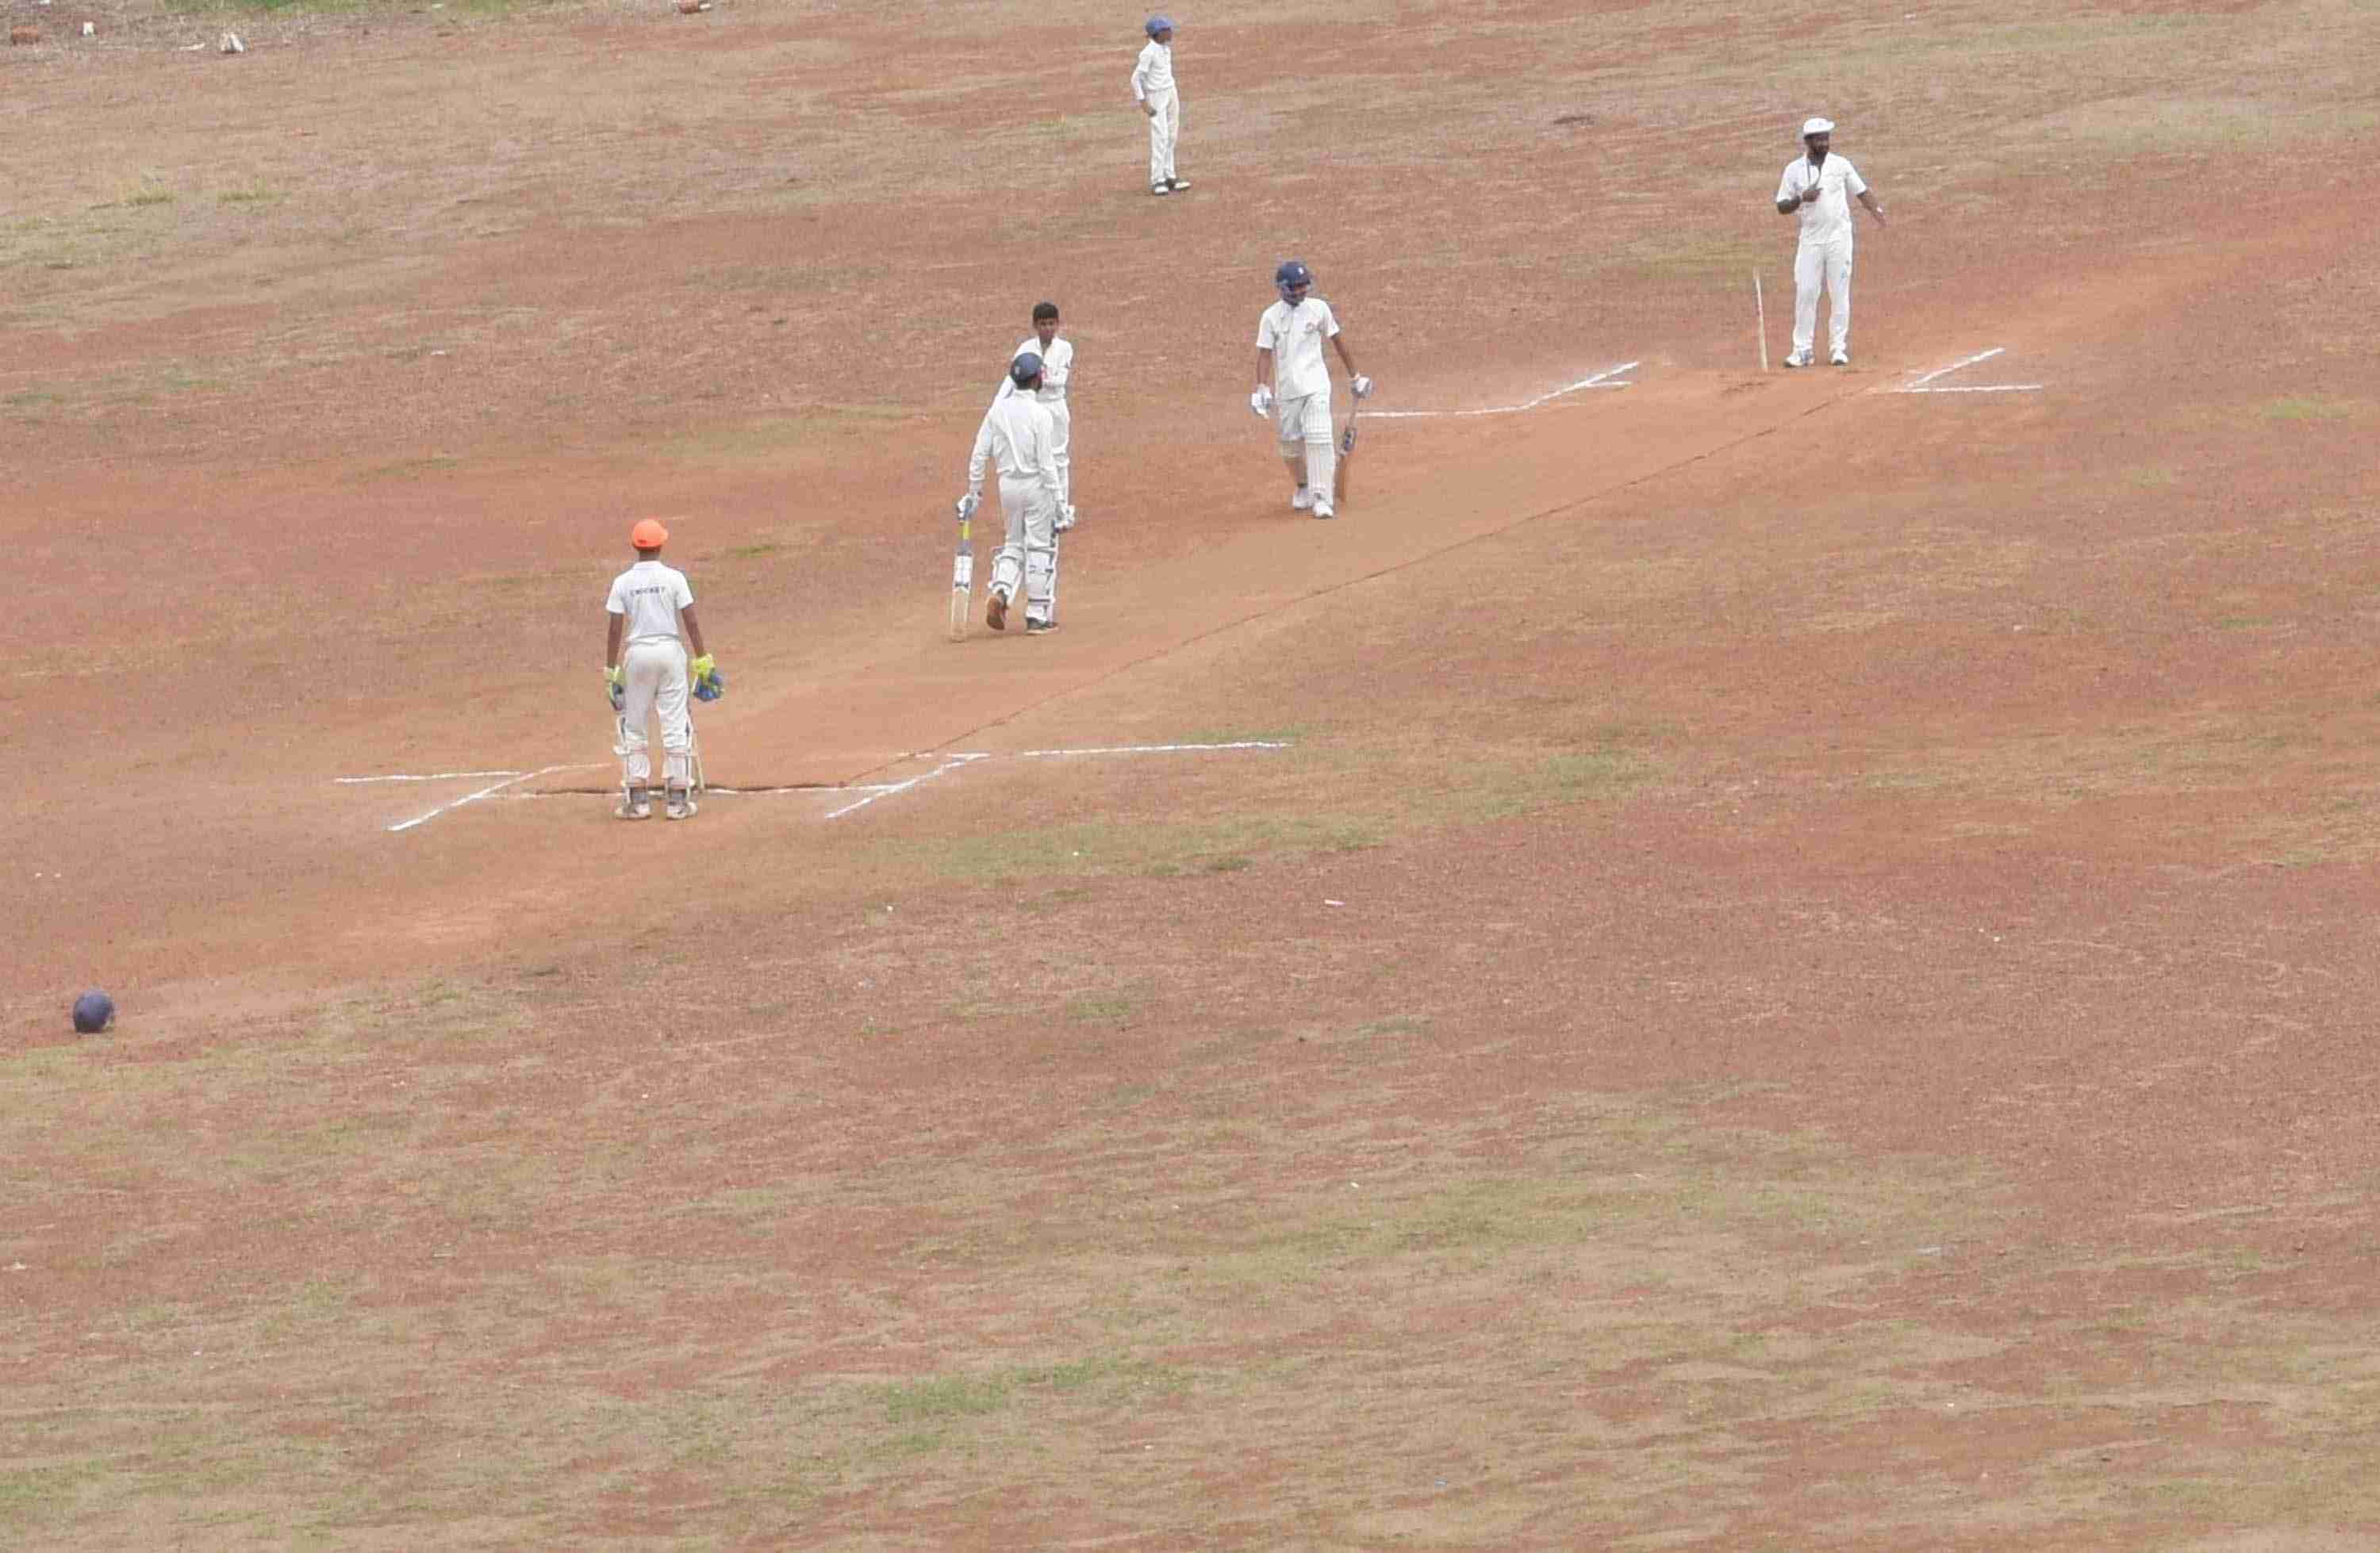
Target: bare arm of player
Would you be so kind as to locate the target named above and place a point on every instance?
(1339, 342)
(1264, 368)
(693, 631)
(611, 639)
(1868, 199)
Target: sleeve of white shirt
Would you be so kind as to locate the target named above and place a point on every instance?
(613, 603)
(982, 452)
(1140, 75)
(1266, 338)
(1789, 185)
(1329, 323)
(685, 590)
(1853, 184)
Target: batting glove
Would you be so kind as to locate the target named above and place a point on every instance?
(966, 505)
(1262, 402)
(1065, 517)
(1362, 385)
(615, 689)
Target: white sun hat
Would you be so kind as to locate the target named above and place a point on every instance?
(1818, 126)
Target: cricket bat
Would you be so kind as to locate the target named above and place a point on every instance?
(963, 578)
(1339, 485)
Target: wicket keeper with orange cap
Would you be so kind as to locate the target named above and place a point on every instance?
(652, 610)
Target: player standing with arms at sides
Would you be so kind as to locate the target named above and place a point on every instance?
(1057, 356)
(1820, 187)
(1294, 384)
(1015, 437)
(1152, 88)
(651, 604)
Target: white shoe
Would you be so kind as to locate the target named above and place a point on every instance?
(635, 802)
(1303, 501)
(1799, 359)
(681, 805)
(1841, 359)
(1160, 189)
(1323, 509)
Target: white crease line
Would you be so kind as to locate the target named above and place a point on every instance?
(821, 790)
(433, 776)
(951, 765)
(1595, 381)
(1945, 372)
(475, 797)
(1152, 748)
(1983, 388)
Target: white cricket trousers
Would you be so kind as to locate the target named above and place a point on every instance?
(1164, 132)
(1062, 446)
(654, 668)
(1828, 264)
(1030, 550)
(1304, 426)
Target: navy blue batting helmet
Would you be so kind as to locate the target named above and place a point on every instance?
(93, 1012)
(1160, 24)
(1292, 275)
(1023, 369)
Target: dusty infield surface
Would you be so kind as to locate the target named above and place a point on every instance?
(1735, 961)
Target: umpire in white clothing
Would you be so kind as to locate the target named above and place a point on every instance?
(1016, 437)
(1820, 188)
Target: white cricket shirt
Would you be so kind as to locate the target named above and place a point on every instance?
(648, 595)
(1057, 366)
(1018, 436)
(1154, 72)
(1829, 215)
(1294, 335)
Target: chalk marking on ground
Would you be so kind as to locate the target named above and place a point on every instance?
(953, 764)
(489, 791)
(427, 776)
(1599, 379)
(1924, 385)
(1151, 750)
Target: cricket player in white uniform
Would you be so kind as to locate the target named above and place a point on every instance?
(1152, 88)
(1820, 187)
(1057, 356)
(1016, 437)
(1293, 384)
(651, 615)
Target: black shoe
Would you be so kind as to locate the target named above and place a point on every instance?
(1177, 185)
(1039, 627)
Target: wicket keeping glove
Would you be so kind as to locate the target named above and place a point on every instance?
(1362, 385)
(709, 687)
(615, 689)
(1262, 402)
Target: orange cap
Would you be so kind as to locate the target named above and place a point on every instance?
(649, 534)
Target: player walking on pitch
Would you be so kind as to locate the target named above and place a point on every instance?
(1294, 384)
(1153, 89)
(1820, 186)
(651, 604)
(1057, 354)
(1018, 436)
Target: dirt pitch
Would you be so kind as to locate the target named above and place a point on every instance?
(1773, 963)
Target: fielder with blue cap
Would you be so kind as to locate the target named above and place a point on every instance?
(1152, 88)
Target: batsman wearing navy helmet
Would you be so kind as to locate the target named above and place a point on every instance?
(1294, 384)
(1018, 436)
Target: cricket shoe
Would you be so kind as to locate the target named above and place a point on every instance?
(681, 805)
(1323, 509)
(1303, 501)
(995, 613)
(1799, 359)
(635, 802)
(1177, 185)
(1039, 627)
(1841, 359)
(1160, 189)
